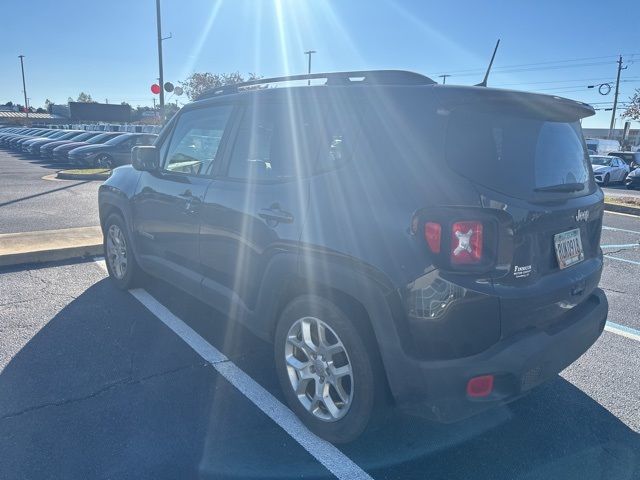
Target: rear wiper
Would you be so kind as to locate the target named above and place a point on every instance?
(563, 187)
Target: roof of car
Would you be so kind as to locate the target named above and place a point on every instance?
(298, 85)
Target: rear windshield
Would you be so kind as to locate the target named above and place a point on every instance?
(516, 154)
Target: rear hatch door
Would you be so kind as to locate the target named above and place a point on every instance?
(526, 155)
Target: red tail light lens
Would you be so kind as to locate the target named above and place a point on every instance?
(433, 234)
(466, 242)
(480, 386)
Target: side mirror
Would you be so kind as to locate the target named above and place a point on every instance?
(145, 158)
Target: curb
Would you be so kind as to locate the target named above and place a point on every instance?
(76, 176)
(52, 255)
(49, 245)
(616, 207)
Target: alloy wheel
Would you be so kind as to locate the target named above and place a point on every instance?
(319, 369)
(117, 251)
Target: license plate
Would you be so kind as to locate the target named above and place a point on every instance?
(568, 248)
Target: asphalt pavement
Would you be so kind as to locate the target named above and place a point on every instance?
(30, 203)
(96, 384)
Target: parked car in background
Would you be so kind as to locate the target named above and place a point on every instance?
(16, 143)
(61, 153)
(633, 180)
(608, 169)
(601, 146)
(630, 158)
(112, 153)
(46, 151)
(6, 139)
(33, 147)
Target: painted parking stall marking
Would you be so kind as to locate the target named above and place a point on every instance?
(622, 259)
(623, 330)
(327, 454)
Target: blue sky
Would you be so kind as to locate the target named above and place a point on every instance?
(108, 49)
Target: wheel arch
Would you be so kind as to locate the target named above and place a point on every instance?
(360, 296)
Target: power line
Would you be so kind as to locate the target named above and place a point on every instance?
(476, 70)
(599, 79)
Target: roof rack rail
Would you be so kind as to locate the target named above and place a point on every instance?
(367, 77)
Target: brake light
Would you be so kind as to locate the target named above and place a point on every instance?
(433, 233)
(466, 242)
(480, 386)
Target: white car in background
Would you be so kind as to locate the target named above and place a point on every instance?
(608, 169)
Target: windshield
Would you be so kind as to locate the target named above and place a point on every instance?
(600, 161)
(84, 136)
(515, 154)
(69, 135)
(100, 138)
(117, 139)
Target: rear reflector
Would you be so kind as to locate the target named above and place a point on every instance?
(466, 242)
(432, 233)
(480, 386)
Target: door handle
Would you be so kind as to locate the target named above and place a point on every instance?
(274, 215)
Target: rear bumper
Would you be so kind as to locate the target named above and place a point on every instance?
(518, 363)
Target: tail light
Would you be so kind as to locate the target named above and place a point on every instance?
(466, 242)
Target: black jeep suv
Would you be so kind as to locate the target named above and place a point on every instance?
(395, 239)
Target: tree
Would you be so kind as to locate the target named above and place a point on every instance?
(633, 109)
(85, 98)
(9, 104)
(199, 82)
(41, 110)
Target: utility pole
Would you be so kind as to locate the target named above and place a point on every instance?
(444, 78)
(24, 86)
(615, 97)
(160, 75)
(309, 53)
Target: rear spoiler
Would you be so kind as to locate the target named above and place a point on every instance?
(545, 106)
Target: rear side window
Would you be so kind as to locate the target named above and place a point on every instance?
(278, 142)
(515, 154)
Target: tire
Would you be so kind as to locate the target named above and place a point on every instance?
(630, 187)
(605, 180)
(130, 275)
(363, 387)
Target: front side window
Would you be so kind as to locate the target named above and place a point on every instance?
(196, 140)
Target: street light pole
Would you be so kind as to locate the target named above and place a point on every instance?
(24, 86)
(309, 53)
(160, 72)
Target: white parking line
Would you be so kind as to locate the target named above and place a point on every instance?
(622, 259)
(623, 331)
(615, 229)
(622, 245)
(328, 455)
(620, 213)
